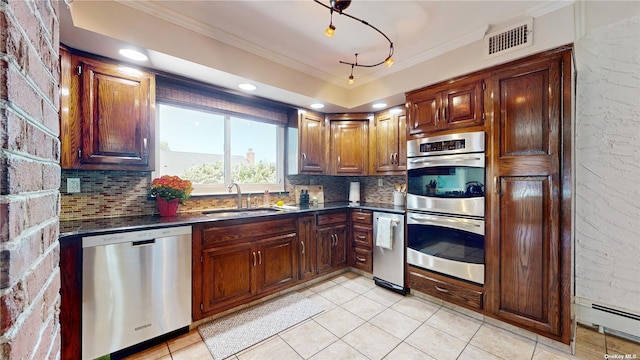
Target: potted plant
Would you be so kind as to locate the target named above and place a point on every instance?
(170, 191)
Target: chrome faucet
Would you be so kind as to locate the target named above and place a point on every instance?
(239, 192)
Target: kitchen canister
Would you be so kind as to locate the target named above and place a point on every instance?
(354, 192)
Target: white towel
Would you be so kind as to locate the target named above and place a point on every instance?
(384, 233)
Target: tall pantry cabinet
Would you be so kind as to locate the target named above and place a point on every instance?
(528, 242)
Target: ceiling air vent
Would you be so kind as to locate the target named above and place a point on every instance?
(505, 41)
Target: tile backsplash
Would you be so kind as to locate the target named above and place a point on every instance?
(124, 193)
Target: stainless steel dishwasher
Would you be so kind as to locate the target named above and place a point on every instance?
(388, 264)
(135, 286)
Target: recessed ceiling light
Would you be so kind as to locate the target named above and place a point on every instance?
(247, 86)
(317, 106)
(133, 54)
(379, 105)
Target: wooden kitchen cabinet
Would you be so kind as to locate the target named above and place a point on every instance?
(311, 140)
(307, 247)
(349, 144)
(389, 142)
(235, 262)
(331, 238)
(448, 106)
(529, 199)
(107, 115)
(362, 235)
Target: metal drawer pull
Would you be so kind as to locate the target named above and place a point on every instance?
(254, 258)
(259, 258)
(441, 289)
(361, 237)
(360, 259)
(302, 243)
(360, 218)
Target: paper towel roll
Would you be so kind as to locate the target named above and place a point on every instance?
(354, 191)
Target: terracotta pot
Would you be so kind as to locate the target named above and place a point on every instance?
(168, 208)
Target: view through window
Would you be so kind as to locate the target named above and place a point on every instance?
(212, 149)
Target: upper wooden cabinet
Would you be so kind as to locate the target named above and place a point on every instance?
(452, 105)
(107, 118)
(349, 144)
(388, 141)
(311, 139)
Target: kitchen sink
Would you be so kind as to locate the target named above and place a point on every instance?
(225, 213)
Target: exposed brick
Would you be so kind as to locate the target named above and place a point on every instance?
(17, 213)
(50, 176)
(4, 222)
(12, 304)
(22, 95)
(24, 175)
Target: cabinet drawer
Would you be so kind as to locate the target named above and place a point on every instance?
(362, 237)
(459, 293)
(215, 235)
(330, 218)
(363, 259)
(362, 217)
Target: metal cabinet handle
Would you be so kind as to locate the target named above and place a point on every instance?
(360, 218)
(254, 258)
(391, 158)
(360, 259)
(441, 289)
(361, 236)
(304, 158)
(338, 160)
(302, 244)
(259, 258)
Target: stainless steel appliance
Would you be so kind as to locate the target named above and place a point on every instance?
(135, 286)
(388, 264)
(445, 204)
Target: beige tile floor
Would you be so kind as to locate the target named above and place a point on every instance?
(363, 321)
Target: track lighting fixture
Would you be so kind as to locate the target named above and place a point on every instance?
(330, 29)
(339, 6)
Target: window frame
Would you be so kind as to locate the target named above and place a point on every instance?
(223, 189)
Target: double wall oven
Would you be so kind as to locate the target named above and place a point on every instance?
(445, 204)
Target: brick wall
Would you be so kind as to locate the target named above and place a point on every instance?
(29, 180)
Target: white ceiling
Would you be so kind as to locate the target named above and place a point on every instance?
(281, 46)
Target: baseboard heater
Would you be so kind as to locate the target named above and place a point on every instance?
(622, 322)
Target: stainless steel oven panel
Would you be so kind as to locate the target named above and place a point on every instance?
(471, 160)
(461, 270)
(460, 206)
(474, 142)
(468, 225)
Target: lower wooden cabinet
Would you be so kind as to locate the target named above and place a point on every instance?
(331, 237)
(235, 263)
(362, 236)
(455, 291)
(306, 247)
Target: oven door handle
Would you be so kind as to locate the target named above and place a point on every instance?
(445, 161)
(453, 223)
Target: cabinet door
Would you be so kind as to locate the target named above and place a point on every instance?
(525, 262)
(424, 111)
(306, 248)
(116, 119)
(463, 105)
(228, 275)
(277, 260)
(325, 238)
(312, 144)
(339, 250)
(389, 142)
(349, 147)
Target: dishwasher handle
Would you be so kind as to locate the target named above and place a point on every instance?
(143, 242)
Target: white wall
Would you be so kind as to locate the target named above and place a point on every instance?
(607, 155)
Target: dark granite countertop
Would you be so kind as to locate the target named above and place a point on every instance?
(132, 223)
